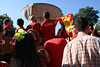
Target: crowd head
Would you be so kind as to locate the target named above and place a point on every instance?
(20, 22)
(33, 18)
(81, 24)
(7, 36)
(46, 15)
(35, 35)
(7, 22)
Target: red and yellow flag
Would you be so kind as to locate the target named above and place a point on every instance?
(67, 21)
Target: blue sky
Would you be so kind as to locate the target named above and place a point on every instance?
(13, 8)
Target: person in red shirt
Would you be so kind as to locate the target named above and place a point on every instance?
(20, 23)
(6, 24)
(48, 27)
(6, 48)
(55, 49)
(34, 25)
(39, 47)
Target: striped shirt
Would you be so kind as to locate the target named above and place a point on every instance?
(84, 51)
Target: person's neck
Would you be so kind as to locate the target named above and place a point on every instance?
(20, 26)
(82, 32)
(46, 18)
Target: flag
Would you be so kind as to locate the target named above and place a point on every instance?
(67, 21)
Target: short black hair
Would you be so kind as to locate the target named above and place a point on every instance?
(36, 34)
(46, 15)
(5, 21)
(81, 24)
(20, 22)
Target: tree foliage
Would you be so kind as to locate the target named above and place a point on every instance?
(98, 26)
(5, 16)
(88, 13)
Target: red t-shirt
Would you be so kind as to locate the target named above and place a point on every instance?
(34, 26)
(6, 28)
(55, 49)
(48, 29)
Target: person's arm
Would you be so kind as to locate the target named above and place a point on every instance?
(46, 56)
(59, 32)
(60, 21)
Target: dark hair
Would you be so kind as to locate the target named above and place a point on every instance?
(20, 22)
(1, 30)
(81, 24)
(46, 15)
(26, 52)
(36, 34)
(5, 21)
(7, 33)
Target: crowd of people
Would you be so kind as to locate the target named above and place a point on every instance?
(38, 46)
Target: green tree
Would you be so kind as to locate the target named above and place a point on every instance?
(88, 13)
(5, 16)
(98, 26)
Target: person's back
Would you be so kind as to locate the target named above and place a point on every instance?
(33, 25)
(20, 23)
(48, 28)
(55, 49)
(83, 51)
